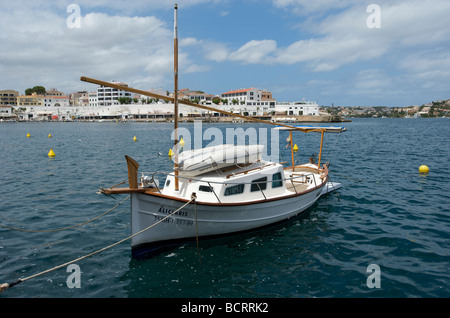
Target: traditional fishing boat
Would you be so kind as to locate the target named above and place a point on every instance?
(219, 190)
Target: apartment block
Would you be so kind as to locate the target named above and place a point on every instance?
(107, 96)
(8, 97)
(30, 100)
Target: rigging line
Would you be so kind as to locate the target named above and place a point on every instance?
(69, 227)
(5, 286)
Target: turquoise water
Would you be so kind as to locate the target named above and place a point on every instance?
(385, 214)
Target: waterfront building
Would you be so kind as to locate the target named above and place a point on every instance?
(300, 108)
(56, 101)
(242, 95)
(8, 97)
(30, 100)
(107, 96)
(53, 92)
(6, 112)
(93, 101)
(80, 98)
(265, 95)
(253, 108)
(250, 101)
(425, 111)
(198, 97)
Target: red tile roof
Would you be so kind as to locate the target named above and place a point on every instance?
(239, 91)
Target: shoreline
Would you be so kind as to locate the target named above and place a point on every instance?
(169, 119)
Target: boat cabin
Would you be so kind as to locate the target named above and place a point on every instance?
(259, 181)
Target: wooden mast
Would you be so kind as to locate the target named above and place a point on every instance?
(175, 93)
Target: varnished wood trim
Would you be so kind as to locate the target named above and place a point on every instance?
(127, 190)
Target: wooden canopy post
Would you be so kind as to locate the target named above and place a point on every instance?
(320, 152)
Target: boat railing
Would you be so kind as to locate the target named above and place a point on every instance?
(295, 178)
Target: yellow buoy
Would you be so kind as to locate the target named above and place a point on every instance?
(28, 135)
(49, 135)
(134, 138)
(295, 148)
(51, 153)
(424, 169)
(182, 142)
(170, 152)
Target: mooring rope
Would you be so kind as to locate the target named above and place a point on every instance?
(69, 227)
(5, 286)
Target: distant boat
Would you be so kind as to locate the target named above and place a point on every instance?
(220, 190)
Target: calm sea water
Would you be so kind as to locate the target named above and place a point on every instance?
(385, 214)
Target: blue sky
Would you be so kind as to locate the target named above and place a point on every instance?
(320, 50)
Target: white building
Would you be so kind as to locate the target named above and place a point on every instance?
(93, 101)
(56, 101)
(297, 108)
(5, 112)
(242, 95)
(107, 96)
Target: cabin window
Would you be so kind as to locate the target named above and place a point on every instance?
(276, 180)
(205, 188)
(261, 182)
(237, 189)
(167, 183)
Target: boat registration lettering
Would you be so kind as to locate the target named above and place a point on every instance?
(170, 220)
(164, 210)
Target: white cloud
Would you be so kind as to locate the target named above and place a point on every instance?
(216, 51)
(306, 7)
(42, 50)
(195, 68)
(38, 47)
(371, 81)
(254, 52)
(343, 37)
(189, 41)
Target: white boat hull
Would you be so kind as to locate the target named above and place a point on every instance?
(205, 220)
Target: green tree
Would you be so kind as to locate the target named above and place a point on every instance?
(124, 100)
(40, 90)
